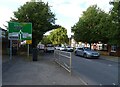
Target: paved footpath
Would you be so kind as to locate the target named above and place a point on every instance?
(111, 58)
(21, 71)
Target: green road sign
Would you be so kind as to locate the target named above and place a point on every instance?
(20, 31)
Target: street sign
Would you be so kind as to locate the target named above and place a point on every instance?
(20, 31)
(28, 41)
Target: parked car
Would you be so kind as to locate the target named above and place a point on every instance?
(63, 49)
(57, 47)
(69, 49)
(87, 52)
(41, 46)
(49, 48)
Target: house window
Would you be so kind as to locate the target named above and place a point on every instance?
(113, 48)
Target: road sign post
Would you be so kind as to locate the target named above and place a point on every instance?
(28, 42)
(19, 31)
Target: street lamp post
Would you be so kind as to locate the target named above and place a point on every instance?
(69, 36)
(69, 41)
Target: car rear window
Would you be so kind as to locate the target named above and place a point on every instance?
(49, 45)
(87, 49)
(80, 48)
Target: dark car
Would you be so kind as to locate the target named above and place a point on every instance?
(87, 52)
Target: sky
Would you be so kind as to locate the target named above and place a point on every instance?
(67, 12)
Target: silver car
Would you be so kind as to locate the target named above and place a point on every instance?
(86, 52)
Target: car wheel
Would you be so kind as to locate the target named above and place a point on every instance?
(85, 55)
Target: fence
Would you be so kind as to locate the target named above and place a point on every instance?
(64, 59)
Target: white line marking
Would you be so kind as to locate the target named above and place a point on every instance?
(109, 65)
(83, 82)
(113, 83)
(88, 59)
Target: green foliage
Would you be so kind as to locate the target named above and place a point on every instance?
(88, 29)
(115, 24)
(46, 40)
(57, 36)
(39, 14)
(103, 27)
(95, 25)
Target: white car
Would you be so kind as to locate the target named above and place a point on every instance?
(69, 49)
(57, 48)
(63, 49)
(49, 48)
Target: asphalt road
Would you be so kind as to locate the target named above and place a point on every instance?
(96, 71)
(93, 71)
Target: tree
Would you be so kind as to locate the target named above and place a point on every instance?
(58, 36)
(39, 14)
(90, 27)
(115, 24)
(104, 27)
(46, 40)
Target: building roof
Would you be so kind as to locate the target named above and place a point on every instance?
(3, 29)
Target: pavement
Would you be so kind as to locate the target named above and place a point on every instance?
(111, 58)
(23, 71)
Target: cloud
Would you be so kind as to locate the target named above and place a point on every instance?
(74, 8)
(5, 15)
(103, 4)
(7, 7)
(67, 8)
(67, 11)
(71, 10)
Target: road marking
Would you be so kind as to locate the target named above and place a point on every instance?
(54, 83)
(109, 65)
(113, 83)
(85, 83)
(88, 59)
